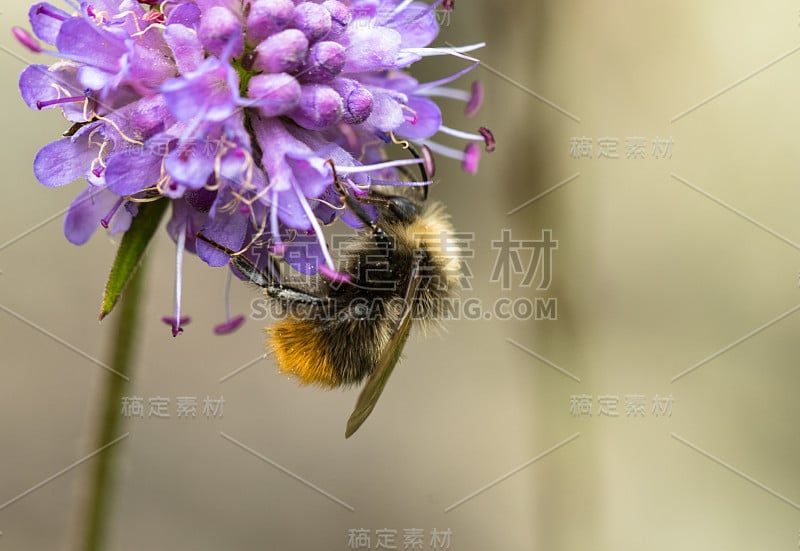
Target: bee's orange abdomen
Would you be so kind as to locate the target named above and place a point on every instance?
(301, 352)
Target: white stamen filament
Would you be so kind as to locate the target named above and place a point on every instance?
(461, 134)
(273, 217)
(227, 297)
(179, 275)
(446, 92)
(315, 225)
(455, 50)
(444, 150)
(376, 166)
(398, 9)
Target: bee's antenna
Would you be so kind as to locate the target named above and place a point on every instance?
(426, 158)
(353, 203)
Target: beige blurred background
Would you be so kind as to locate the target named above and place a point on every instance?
(663, 265)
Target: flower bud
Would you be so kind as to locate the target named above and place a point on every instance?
(320, 107)
(325, 60)
(340, 17)
(276, 94)
(268, 17)
(357, 100)
(218, 28)
(312, 20)
(283, 52)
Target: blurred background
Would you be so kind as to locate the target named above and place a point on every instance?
(650, 397)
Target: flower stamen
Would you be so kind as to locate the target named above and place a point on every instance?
(176, 321)
(403, 143)
(469, 156)
(106, 220)
(327, 203)
(409, 115)
(47, 103)
(475, 100)
(154, 16)
(377, 166)
(457, 51)
(26, 39)
(402, 6)
(259, 232)
(118, 129)
(330, 272)
(155, 25)
(100, 17)
(42, 9)
(488, 138)
(461, 134)
(229, 325)
(124, 14)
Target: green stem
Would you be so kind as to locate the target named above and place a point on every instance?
(99, 500)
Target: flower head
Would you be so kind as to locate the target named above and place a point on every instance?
(232, 110)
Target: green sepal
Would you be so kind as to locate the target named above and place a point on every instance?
(131, 249)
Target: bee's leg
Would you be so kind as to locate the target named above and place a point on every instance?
(251, 272)
(292, 295)
(241, 263)
(272, 287)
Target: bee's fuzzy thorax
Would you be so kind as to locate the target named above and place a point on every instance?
(434, 233)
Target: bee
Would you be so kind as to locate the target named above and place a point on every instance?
(402, 266)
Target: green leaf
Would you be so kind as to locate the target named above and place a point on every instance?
(131, 249)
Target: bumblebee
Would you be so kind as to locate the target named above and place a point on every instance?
(401, 268)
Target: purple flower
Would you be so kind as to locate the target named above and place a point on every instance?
(233, 109)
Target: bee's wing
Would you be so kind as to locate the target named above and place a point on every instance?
(374, 386)
(377, 380)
